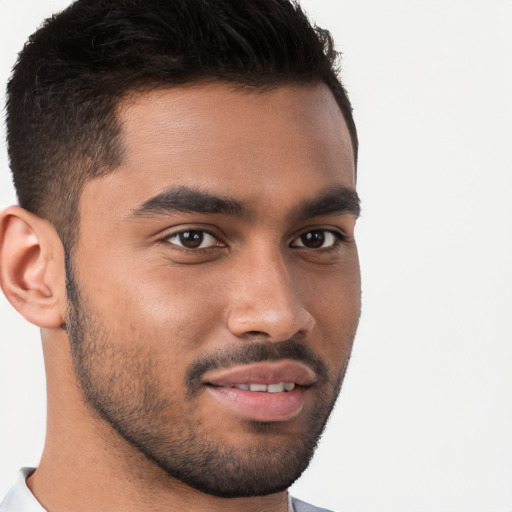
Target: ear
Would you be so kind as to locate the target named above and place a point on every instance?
(32, 271)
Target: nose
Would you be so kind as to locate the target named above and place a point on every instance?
(264, 302)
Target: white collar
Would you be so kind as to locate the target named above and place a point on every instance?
(20, 498)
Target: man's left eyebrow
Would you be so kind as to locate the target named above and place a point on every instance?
(333, 201)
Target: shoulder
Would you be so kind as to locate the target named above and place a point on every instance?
(301, 506)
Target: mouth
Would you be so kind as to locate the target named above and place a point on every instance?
(265, 392)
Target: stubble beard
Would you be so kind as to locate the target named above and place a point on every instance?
(121, 387)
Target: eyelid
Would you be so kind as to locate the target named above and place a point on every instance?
(338, 237)
(177, 231)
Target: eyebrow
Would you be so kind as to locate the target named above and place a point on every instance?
(184, 199)
(334, 200)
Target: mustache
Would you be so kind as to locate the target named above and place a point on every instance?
(253, 353)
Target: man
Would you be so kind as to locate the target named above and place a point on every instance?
(185, 241)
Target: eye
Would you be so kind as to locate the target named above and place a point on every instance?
(193, 239)
(317, 239)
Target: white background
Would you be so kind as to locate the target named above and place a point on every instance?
(424, 423)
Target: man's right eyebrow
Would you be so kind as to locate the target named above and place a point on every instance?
(188, 200)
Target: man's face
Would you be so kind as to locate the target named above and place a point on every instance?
(215, 290)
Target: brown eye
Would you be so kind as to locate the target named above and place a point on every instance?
(193, 239)
(313, 239)
(316, 239)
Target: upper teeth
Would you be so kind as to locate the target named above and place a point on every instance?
(271, 388)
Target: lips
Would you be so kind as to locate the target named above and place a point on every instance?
(269, 391)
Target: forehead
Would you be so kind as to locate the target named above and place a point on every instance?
(239, 142)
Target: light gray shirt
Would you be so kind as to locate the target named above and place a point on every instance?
(21, 499)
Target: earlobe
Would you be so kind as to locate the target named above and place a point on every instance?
(32, 273)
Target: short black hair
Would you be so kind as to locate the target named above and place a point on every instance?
(62, 127)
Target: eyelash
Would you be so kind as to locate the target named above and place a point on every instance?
(202, 232)
(337, 238)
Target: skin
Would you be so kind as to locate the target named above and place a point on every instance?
(153, 309)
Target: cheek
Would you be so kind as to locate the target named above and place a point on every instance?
(332, 292)
(164, 307)
(142, 296)
(334, 300)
